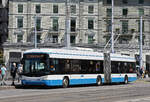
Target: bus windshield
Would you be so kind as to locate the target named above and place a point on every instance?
(35, 65)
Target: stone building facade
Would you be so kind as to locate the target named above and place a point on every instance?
(3, 25)
(90, 25)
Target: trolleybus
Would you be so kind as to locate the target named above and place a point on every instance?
(65, 67)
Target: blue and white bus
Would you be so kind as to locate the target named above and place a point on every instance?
(65, 67)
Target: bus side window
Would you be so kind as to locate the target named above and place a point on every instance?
(101, 67)
(61, 64)
(118, 67)
(67, 66)
(123, 67)
(113, 67)
(52, 68)
(84, 67)
(130, 68)
(75, 66)
(98, 67)
(90, 66)
(54, 65)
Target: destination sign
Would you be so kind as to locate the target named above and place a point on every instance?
(35, 56)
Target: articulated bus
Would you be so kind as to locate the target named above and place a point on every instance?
(65, 67)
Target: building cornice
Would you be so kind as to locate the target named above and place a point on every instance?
(42, 1)
(55, 1)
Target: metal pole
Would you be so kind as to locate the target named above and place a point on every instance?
(35, 37)
(112, 28)
(67, 26)
(141, 46)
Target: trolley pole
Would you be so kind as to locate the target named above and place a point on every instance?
(67, 26)
(141, 40)
(35, 31)
(112, 28)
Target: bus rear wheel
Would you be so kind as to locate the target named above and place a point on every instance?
(126, 80)
(65, 82)
(99, 81)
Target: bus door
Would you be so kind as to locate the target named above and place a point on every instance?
(116, 71)
(73, 67)
(119, 70)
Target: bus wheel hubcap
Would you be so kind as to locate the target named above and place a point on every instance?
(65, 82)
(98, 81)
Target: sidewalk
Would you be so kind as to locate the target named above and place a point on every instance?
(145, 79)
(9, 86)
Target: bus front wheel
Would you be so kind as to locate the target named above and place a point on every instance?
(65, 82)
(99, 81)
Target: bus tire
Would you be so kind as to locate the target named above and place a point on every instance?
(99, 81)
(126, 80)
(65, 82)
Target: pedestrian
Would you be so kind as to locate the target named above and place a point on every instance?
(0, 71)
(3, 74)
(13, 73)
(19, 71)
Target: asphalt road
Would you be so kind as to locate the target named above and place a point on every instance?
(133, 92)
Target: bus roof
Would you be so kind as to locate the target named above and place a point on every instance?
(78, 54)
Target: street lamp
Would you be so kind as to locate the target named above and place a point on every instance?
(141, 38)
(112, 28)
(35, 31)
(67, 25)
(141, 42)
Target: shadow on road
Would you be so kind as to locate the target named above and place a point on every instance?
(35, 87)
(58, 87)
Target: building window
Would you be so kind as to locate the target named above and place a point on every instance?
(72, 39)
(14, 57)
(140, 26)
(124, 1)
(90, 24)
(38, 8)
(19, 38)
(141, 11)
(109, 12)
(20, 8)
(38, 38)
(73, 9)
(90, 9)
(38, 24)
(20, 22)
(55, 39)
(55, 8)
(73, 25)
(90, 39)
(55, 24)
(108, 25)
(108, 39)
(108, 1)
(123, 41)
(125, 12)
(124, 26)
(141, 1)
